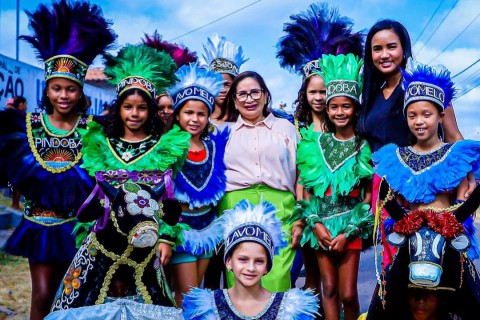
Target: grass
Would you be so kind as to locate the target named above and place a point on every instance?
(15, 285)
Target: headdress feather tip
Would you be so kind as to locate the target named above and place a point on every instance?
(311, 34)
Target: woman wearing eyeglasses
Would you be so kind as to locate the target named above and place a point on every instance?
(260, 162)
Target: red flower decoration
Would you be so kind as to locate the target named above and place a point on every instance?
(444, 223)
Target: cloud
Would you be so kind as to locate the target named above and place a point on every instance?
(259, 27)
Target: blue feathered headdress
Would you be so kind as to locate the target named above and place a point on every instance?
(313, 33)
(222, 56)
(180, 54)
(68, 36)
(423, 82)
(196, 84)
(246, 222)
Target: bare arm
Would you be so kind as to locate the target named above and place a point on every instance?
(452, 133)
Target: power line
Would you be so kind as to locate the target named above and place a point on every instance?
(430, 20)
(441, 22)
(466, 92)
(456, 38)
(466, 68)
(473, 77)
(216, 20)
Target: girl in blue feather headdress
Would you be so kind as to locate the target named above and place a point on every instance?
(41, 156)
(430, 177)
(201, 182)
(252, 236)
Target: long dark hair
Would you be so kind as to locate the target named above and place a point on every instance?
(372, 77)
(46, 105)
(303, 110)
(114, 126)
(229, 103)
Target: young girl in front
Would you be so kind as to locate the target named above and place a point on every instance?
(430, 178)
(335, 171)
(252, 236)
(201, 182)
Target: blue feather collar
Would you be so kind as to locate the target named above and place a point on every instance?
(419, 177)
(203, 183)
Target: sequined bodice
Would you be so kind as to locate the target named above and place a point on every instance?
(225, 309)
(334, 151)
(418, 162)
(129, 151)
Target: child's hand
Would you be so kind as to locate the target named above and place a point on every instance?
(297, 231)
(323, 236)
(165, 253)
(339, 244)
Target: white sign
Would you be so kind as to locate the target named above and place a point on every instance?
(21, 79)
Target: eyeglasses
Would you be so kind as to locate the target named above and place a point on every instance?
(255, 94)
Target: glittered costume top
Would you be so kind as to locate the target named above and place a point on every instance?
(201, 184)
(205, 304)
(145, 157)
(331, 170)
(419, 176)
(150, 161)
(132, 177)
(43, 163)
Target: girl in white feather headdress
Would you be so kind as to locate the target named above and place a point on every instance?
(224, 57)
(252, 235)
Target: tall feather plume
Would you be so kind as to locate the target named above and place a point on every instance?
(192, 75)
(341, 67)
(76, 28)
(315, 32)
(436, 75)
(141, 60)
(262, 214)
(179, 53)
(220, 47)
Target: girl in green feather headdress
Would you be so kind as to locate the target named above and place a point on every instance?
(133, 148)
(336, 172)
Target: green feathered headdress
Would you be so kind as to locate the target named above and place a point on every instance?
(342, 75)
(141, 67)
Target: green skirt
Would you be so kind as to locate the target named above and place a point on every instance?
(278, 279)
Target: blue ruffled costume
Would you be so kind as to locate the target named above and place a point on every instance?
(44, 166)
(295, 304)
(419, 177)
(202, 186)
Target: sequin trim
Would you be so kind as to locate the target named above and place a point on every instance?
(207, 180)
(336, 152)
(241, 316)
(419, 162)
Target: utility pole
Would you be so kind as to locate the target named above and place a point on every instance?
(18, 29)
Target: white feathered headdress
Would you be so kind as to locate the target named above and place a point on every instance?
(246, 222)
(222, 56)
(196, 84)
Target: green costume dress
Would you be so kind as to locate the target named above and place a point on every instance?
(331, 169)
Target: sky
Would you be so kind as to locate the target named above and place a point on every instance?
(450, 37)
